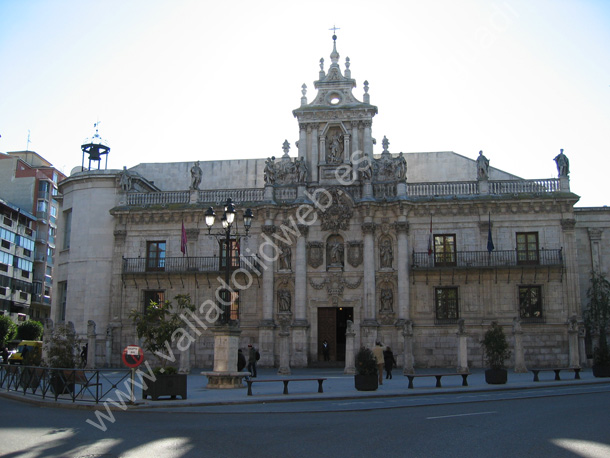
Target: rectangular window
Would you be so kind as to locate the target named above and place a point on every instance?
(446, 302)
(155, 256)
(5, 244)
(234, 254)
(67, 228)
(158, 297)
(62, 295)
(2, 290)
(444, 250)
(530, 302)
(527, 247)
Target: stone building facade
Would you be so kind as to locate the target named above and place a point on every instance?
(421, 251)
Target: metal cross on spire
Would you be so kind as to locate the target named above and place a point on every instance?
(334, 29)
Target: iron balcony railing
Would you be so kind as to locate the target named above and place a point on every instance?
(189, 264)
(481, 259)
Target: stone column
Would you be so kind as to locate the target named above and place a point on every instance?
(573, 354)
(350, 357)
(402, 229)
(519, 354)
(284, 320)
(462, 354)
(582, 332)
(315, 156)
(108, 359)
(267, 325)
(368, 140)
(346, 149)
(571, 285)
(407, 334)
(595, 238)
(91, 347)
(368, 229)
(355, 138)
(300, 277)
(303, 141)
(185, 361)
(564, 184)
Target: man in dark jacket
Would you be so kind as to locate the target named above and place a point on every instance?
(252, 360)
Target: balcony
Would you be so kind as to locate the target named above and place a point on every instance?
(485, 259)
(189, 264)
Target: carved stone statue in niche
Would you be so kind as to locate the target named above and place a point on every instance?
(284, 298)
(334, 154)
(285, 257)
(387, 300)
(386, 254)
(334, 251)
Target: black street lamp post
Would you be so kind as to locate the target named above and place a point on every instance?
(227, 220)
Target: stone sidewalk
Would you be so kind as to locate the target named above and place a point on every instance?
(337, 386)
(341, 386)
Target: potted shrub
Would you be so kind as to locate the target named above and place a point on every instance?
(495, 347)
(366, 378)
(597, 317)
(157, 326)
(61, 357)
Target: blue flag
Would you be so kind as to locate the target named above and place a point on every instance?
(490, 242)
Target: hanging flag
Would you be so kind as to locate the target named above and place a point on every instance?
(490, 242)
(430, 241)
(183, 240)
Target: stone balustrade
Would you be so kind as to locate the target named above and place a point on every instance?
(380, 191)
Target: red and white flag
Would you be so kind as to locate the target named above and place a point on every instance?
(183, 240)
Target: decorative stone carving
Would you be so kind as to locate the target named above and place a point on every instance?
(335, 210)
(286, 171)
(386, 254)
(196, 176)
(334, 251)
(482, 167)
(388, 168)
(334, 143)
(355, 253)
(386, 300)
(125, 180)
(285, 257)
(315, 254)
(284, 300)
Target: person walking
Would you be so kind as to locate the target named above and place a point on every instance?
(241, 361)
(378, 353)
(253, 357)
(326, 350)
(390, 362)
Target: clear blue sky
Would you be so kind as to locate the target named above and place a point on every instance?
(199, 80)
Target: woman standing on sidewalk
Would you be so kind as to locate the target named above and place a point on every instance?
(390, 362)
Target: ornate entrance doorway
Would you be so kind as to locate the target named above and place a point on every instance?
(332, 324)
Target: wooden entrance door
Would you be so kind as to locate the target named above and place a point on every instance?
(327, 330)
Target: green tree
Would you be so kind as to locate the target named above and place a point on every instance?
(159, 324)
(8, 329)
(597, 315)
(30, 330)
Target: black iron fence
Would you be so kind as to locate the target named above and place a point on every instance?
(480, 259)
(76, 385)
(192, 264)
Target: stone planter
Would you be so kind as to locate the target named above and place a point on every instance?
(496, 376)
(601, 371)
(366, 382)
(166, 385)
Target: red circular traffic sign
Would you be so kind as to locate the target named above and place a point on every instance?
(133, 356)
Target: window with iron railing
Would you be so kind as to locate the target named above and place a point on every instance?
(444, 250)
(530, 302)
(155, 256)
(527, 248)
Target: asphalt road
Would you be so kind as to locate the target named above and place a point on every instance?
(562, 422)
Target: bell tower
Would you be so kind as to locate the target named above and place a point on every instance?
(335, 128)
